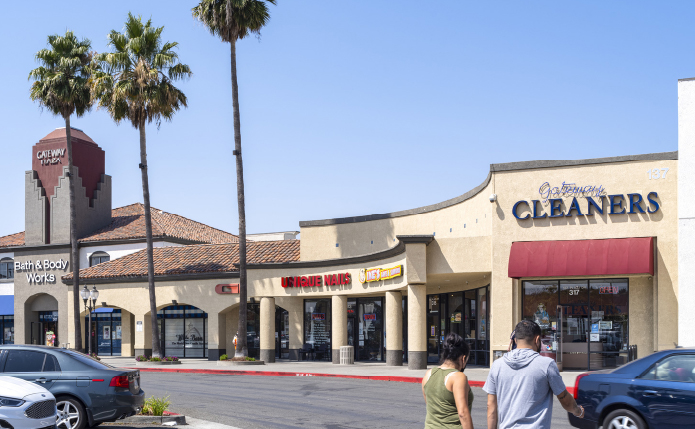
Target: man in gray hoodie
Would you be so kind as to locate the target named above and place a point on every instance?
(521, 385)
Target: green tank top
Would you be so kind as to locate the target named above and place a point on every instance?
(441, 406)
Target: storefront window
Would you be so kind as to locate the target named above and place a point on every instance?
(7, 329)
(106, 331)
(185, 331)
(317, 324)
(253, 330)
(609, 323)
(593, 332)
(464, 313)
(370, 328)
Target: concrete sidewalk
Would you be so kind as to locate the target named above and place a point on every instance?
(477, 375)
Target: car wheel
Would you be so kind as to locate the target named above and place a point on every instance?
(623, 419)
(71, 414)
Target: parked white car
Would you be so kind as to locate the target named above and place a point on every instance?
(26, 405)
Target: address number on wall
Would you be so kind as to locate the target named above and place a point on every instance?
(657, 173)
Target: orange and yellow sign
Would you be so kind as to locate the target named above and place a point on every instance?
(376, 274)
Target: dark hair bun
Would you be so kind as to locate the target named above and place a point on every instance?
(454, 347)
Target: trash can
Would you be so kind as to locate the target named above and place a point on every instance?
(347, 355)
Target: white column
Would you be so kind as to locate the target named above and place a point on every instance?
(338, 326)
(267, 329)
(686, 211)
(417, 334)
(394, 328)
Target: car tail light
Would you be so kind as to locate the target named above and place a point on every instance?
(120, 381)
(576, 383)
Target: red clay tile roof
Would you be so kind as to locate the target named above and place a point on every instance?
(129, 223)
(12, 240)
(193, 259)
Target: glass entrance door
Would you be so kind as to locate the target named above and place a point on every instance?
(573, 337)
(371, 329)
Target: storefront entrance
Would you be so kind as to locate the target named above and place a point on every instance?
(106, 331)
(365, 328)
(317, 327)
(584, 323)
(183, 330)
(465, 313)
(45, 332)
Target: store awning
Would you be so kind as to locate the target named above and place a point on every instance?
(615, 256)
(6, 305)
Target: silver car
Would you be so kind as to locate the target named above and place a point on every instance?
(26, 405)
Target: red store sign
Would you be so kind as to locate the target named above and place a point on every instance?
(317, 281)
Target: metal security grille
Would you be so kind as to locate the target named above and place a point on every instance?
(41, 410)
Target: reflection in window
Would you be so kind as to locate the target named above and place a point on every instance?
(317, 324)
(98, 258)
(6, 269)
(674, 368)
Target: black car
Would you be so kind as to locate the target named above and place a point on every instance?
(87, 392)
(656, 392)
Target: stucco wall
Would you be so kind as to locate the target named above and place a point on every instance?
(616, 178)
(116, 251)
(686, 208)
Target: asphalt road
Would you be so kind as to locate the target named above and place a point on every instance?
(299, 402)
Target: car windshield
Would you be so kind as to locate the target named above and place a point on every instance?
(85, 359)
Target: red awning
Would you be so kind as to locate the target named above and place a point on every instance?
(615, 256)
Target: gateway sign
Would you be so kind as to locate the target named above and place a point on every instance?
(596, 202)
(35, 278)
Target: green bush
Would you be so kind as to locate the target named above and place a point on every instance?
(224, 357)
(156, 406)
(155, 359)
(250, 359)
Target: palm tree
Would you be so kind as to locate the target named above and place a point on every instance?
(232, 20)
(61, 85)
(135, 83)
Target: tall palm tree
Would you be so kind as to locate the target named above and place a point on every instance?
(233, 20)
(61, 85)
(135, 83)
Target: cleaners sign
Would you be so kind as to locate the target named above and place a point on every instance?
(596, 201)
(45, 265)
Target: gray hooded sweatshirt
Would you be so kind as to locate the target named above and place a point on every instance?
(524, 383)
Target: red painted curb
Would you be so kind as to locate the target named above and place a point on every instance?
(402, 379)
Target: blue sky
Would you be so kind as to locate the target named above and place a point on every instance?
(361, 107)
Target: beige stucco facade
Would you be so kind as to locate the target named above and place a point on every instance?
(455, 246)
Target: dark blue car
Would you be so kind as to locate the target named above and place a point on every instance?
(656, 392)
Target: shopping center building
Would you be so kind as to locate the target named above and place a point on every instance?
(586, 248)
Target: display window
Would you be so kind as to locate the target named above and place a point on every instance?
(317, 326)
(106, 331)
(183, 331)
(584, 323)
(464, 313)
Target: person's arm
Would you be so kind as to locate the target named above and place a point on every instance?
(491, 411)
(424, 381)
(570, 405)
(460, 389)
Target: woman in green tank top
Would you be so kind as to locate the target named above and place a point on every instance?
(447, 394)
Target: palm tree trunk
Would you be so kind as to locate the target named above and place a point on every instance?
(156, 351)
(242, 347)
(74, 249)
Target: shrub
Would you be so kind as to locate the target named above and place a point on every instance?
(250, 359)
(224, 357)
(156, 406)
(155, 359)
(94, 356)
(142, 358)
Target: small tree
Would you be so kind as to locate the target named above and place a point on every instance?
(135, 83)
(61, 85)
(233, 20)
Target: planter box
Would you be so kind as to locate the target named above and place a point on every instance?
(175, 362)
(147, 420)
(241, 363)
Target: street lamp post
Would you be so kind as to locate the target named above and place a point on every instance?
(91, 296)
